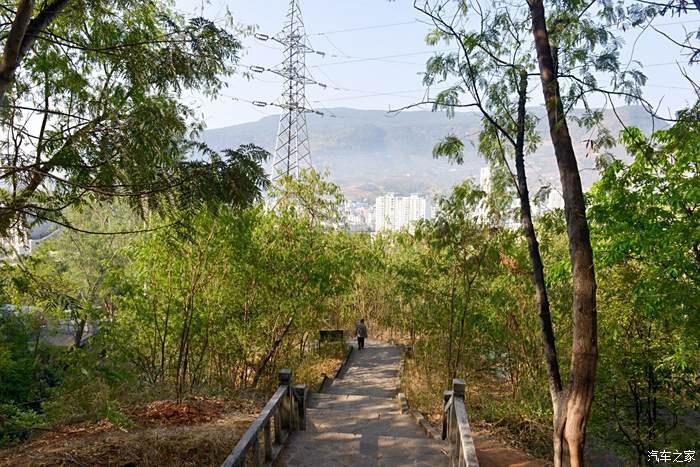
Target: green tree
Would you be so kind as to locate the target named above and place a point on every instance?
(90, 97)
(456, 234)
(223, 302)
(646, 216)
(73, 276)
(492, 63)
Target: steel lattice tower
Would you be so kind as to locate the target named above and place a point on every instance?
(292, 149)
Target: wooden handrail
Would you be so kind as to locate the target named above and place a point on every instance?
(456, 429)
(284, 413)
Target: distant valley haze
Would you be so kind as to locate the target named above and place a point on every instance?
(371, 152)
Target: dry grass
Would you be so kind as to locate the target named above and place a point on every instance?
(159, 441)
(500, 434)
(200, 431)
(318, 363)
(423, 393)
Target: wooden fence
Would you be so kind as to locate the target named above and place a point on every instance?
(455, 427)
(284, 413)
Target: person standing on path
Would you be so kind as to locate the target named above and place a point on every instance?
(361, 333)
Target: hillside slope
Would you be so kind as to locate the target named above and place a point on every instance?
(369, 151)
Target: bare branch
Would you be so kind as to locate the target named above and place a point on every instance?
(426, 102)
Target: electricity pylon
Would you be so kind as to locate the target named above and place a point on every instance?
(292, 149)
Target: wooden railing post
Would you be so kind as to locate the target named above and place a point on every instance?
(280, 412)
(458, 386)
(300, 391)
(456, 429)
(446, 396)
(287, 406)
(278, 426)
(453, 435)
(256, 451)
(267, 437)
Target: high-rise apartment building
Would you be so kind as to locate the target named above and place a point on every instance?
(397, 212)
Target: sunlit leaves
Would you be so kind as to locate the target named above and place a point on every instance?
(235, 177)
(646, 218)
(106, 78)
(435, 36)
(451, 147)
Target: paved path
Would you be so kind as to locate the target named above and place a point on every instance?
(358, 423)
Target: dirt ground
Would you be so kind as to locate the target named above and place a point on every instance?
(197, 432)
(494, 452)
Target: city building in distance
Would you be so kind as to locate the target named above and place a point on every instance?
(393, 212)
(553, 200)
(358, 216)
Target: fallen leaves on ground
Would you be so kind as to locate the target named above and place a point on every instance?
(187, 412)
(198, 431)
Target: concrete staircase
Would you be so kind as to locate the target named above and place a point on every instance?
(358, 422)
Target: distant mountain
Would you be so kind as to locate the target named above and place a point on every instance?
(369, 152)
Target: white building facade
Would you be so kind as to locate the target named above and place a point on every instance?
(393, 212)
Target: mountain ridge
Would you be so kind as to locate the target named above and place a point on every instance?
(369, 152)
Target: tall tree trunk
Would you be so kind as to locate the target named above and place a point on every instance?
(548, 343)
(574, 405)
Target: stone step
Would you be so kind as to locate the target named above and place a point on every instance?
(315, 449)
(361, 378)
(351, 403)
(422, 452)
(386, 391)
(365, 422)
(358, 421)
(322, 396)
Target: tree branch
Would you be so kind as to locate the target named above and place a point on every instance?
(13, 45)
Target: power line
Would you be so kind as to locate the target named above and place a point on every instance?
(284, 72)
(416, 21)
(679, 22)
(365, 28)
(328, 39)
(667, 87)
(393, 93)
(336, 86)
(658, 64)
(384, 57)
(285, 106)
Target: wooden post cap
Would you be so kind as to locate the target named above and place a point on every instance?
(285, 376)
(458, 386)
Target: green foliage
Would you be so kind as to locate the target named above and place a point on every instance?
(101, 92)
(215, 304)
(73, 276)
(16, 423)
(645, 228)
(117, 418)
(22, 379)
(220, 301)
(88, 383)
(244, 284)
(493, 45)
(460, 291)
(451, 147)
(235, 177)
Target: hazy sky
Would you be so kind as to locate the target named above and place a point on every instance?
(375, 52)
